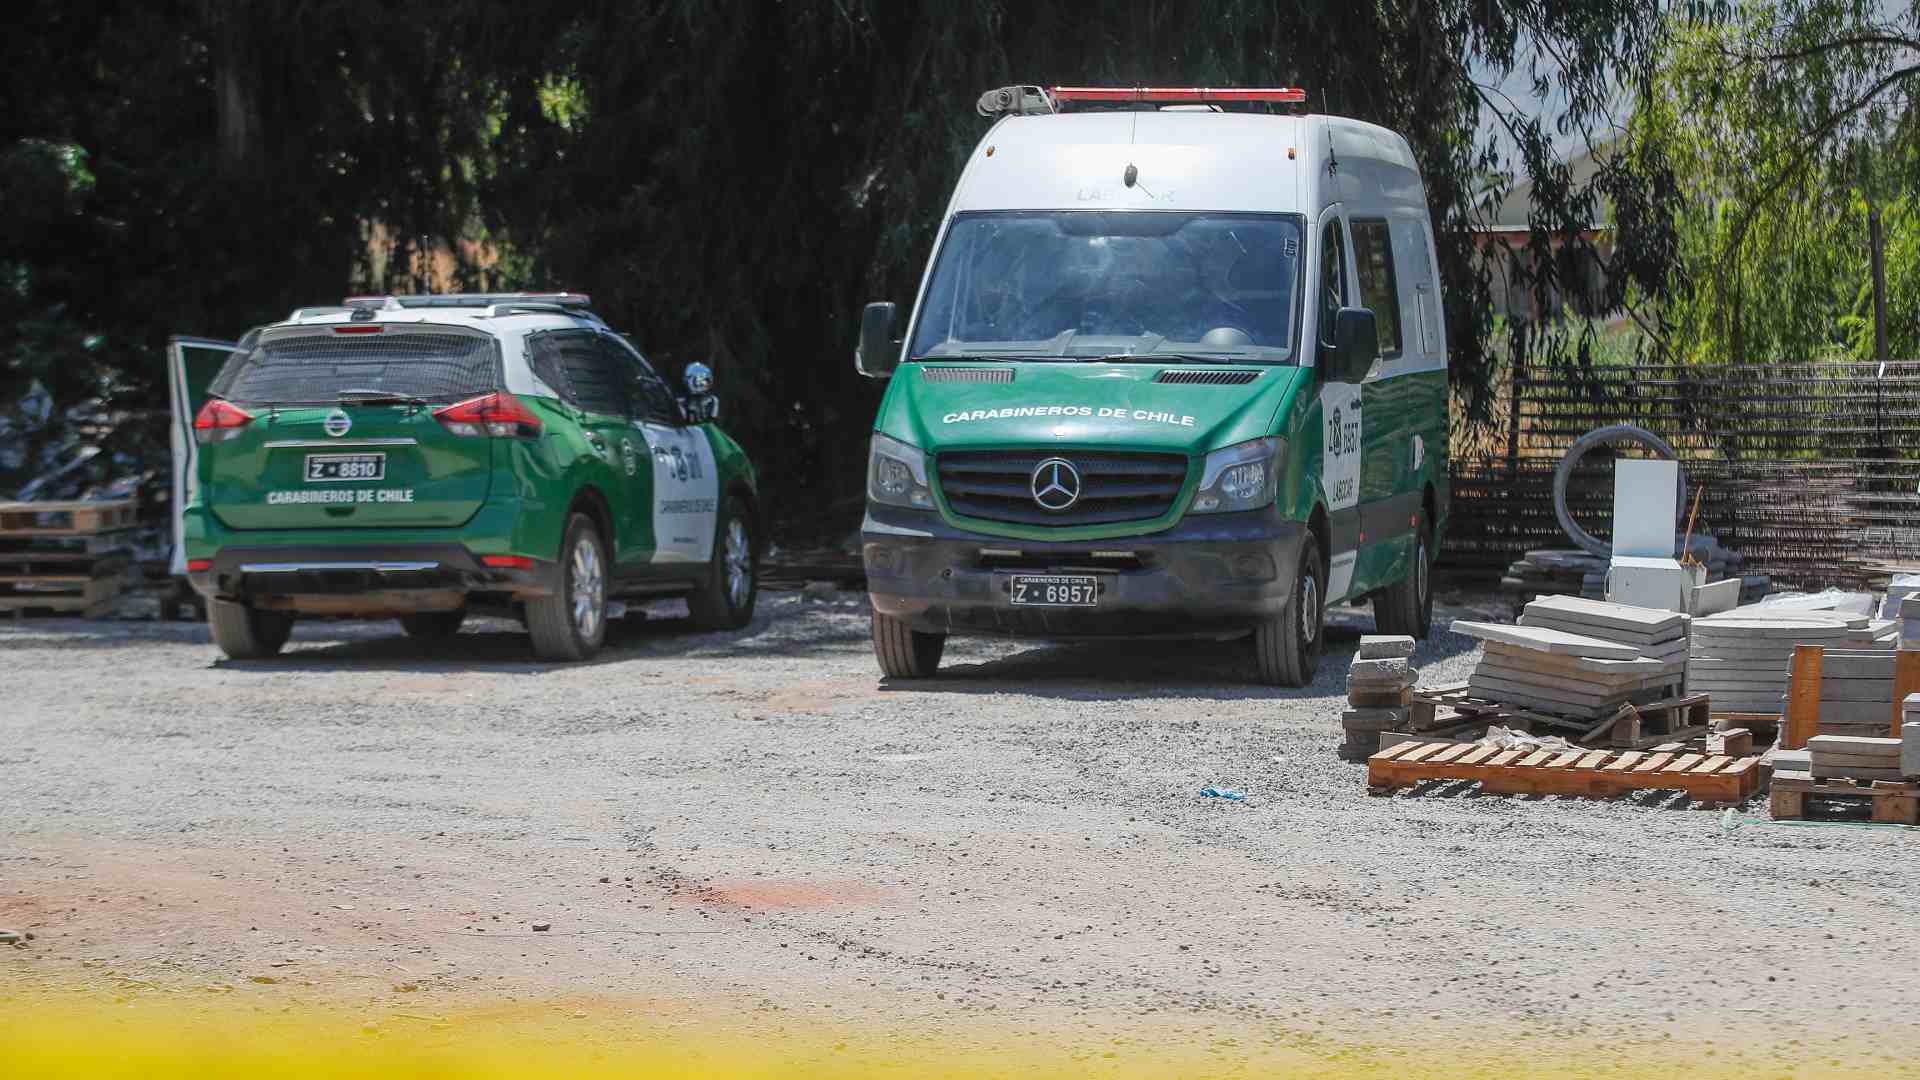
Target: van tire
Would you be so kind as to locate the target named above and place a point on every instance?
(903, 652)
(1288, 648)
(433, 625)
(558, 634)
(1406, 606)
(722, 601)
(246, 633)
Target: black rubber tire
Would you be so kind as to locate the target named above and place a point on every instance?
(712, 605)
(433, 625)
(1286, 655)
(1406, 606)
(550, 621)
(245, 633)
(903, 652)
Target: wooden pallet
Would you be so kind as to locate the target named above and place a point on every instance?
(1637, 727)
(22, 519)
(62, 595)
(1595, 774)
(1631, 727)
(1890, 802)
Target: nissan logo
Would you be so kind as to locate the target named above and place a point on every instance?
(337, 423)
(1055, 484)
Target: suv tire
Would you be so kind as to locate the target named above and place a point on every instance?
(1406, 606)
(433, 625)
(903, 652)
(571, 624)
(245, 633)
(724, 601)
(1288, 647)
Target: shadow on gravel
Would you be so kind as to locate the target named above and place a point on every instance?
(1097, 670)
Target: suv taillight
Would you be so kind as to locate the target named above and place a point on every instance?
(219, 421)
(498, 413)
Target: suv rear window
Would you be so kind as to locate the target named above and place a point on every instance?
(319, 367)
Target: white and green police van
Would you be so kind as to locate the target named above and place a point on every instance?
(1176, 369)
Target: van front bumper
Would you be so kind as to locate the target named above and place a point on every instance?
(1207, 576)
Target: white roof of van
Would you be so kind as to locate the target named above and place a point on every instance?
(1184, 159)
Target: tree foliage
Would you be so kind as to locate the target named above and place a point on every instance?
(1784, 120)
(731, 181)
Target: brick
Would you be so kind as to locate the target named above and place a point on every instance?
(1384, 646)
(1379, 699)
(1382, 670)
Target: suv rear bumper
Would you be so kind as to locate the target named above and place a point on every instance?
(364, 578)
(1211, 576)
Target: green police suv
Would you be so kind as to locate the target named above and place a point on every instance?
(421, 456)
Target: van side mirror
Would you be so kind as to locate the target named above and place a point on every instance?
(1356, 345)
(879, 351)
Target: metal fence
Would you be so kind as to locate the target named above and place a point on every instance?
(1810, 470)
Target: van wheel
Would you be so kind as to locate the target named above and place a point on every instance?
(1288, 647)
(571, 624)
(433, 625)
(725, 599)
(245, 633)
(1406, 606)
(903, 652)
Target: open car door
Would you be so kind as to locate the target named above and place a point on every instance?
(192, 363)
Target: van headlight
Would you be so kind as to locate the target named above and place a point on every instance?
(897, 474)
(1240, 477)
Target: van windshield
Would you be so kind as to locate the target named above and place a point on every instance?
(1083, 284)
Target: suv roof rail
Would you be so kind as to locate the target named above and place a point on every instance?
(1042, 100)
(569, 300)
(324, 309)
(538, 307)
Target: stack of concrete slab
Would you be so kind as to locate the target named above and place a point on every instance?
(1379, 689)
(1837, 757)
(1910, 623)
(1910, 736)
(1657, 634)
(1549, 670)
(1742, 659)
(1856, 692)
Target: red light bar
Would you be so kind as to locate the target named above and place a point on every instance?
(359, 328)
(199, 566)
(1289, 95)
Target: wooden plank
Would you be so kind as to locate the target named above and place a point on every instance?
(1533, 760)
(1389, 753)
(1906, 680)
(1653, 763)
(1565, 759)
(1711, 765)
(1624, 761)
(1683, 763)
(1420, 753)
(1479, 755)
(1505, 757)
(1803, 697)
(1593, 759)
(1450, 753)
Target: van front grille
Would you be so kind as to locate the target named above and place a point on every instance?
(966, 375)
(997, 485)
(1208, 378)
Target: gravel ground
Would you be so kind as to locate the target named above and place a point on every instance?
(754, 827)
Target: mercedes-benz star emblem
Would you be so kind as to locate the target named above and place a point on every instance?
(337, 423)
(1055, 484)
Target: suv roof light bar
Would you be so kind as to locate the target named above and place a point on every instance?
(1024, 100)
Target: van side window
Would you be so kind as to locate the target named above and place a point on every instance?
(1373, 260)
(1333, 278)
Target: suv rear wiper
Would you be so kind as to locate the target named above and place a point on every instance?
(378, 397)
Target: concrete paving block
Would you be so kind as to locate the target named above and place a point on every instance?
(1851, 772)
(1857, 712)
(1604, 613)
(1550, 661)
(1910, 608)
(1384, 646)
(1910, 747)
(1791, 760)
(1385, 669)
(1840, 744)
(1541, 639)
(1373, 719)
